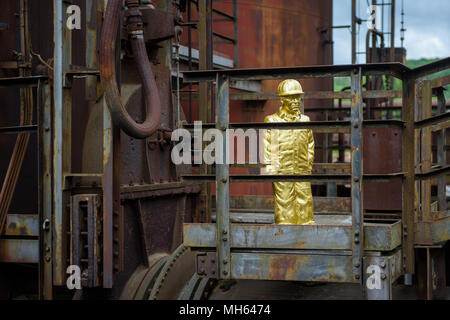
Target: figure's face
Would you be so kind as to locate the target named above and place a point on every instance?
(292, 103)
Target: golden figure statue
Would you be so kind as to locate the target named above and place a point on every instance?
(290, 152)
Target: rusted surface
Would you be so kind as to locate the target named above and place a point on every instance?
(19, 250)
(385, 143)
(331, 232)
(22, 225)
(300, 267)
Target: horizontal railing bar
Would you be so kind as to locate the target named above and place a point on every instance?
(294, 177)
(433, 173)
(440, 82)
(429, 68)
(323, 71)
(18, 129)
(432, 120)
(330, 126)
(255, 96)
(21, 82)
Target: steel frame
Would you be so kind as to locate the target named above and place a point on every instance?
(251, 264)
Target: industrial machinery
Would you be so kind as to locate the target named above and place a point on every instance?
(93, 91)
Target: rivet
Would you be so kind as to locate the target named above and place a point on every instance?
(356, 240)
(224, 180)
(357, 277)
(356, 126)
(47, 258)
(225, 272)
(356, 179)
(224, 239)
(357, 264)
(224, 231)
(383, 276)
(225, 261)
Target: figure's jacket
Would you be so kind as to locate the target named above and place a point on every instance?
(294, 152)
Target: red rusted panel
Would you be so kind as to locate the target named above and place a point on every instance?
(382, 154)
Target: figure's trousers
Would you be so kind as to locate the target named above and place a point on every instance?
(293, 203)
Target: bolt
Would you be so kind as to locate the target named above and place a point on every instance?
(224, 180)
(356, 264)
(47, 249)
(383, 276)
(357, 233)
(225, 261)
(224, 239)
(47, 258)
(356, 240)
(356, 179)
(357, 277)
(224, 231)
(355, 126)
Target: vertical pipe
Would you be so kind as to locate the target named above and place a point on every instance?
(392, 51)
(408, 143)
(235, 28)
(353, 31)
(189, 57)
(357, 170)
(223, 231)
(58, 137)
(205, 88)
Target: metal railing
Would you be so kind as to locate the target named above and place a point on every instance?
(354, 126)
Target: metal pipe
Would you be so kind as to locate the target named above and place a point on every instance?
(107, 64)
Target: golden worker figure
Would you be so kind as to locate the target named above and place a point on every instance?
(290, 152)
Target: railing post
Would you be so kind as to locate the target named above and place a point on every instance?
(357, 170)
(441, 153)
(45, 194)
(223, 232)
(424, 90)
(408, 192)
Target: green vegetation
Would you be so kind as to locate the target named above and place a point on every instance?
(340, 83)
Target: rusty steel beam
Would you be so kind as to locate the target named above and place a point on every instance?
(45, 225)
(428, 69)
(254, 96)
(391, 68)
(222, 179)
(357, 175)
(408, 164)
(331, 232)
(314, 178)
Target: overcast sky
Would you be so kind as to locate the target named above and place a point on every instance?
(427, 23)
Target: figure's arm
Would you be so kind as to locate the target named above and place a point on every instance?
(267, 155)
(310, 149)
(310, 141)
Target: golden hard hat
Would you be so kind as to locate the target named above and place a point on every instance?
(289, 87)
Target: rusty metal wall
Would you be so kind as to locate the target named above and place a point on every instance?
(272, 33)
